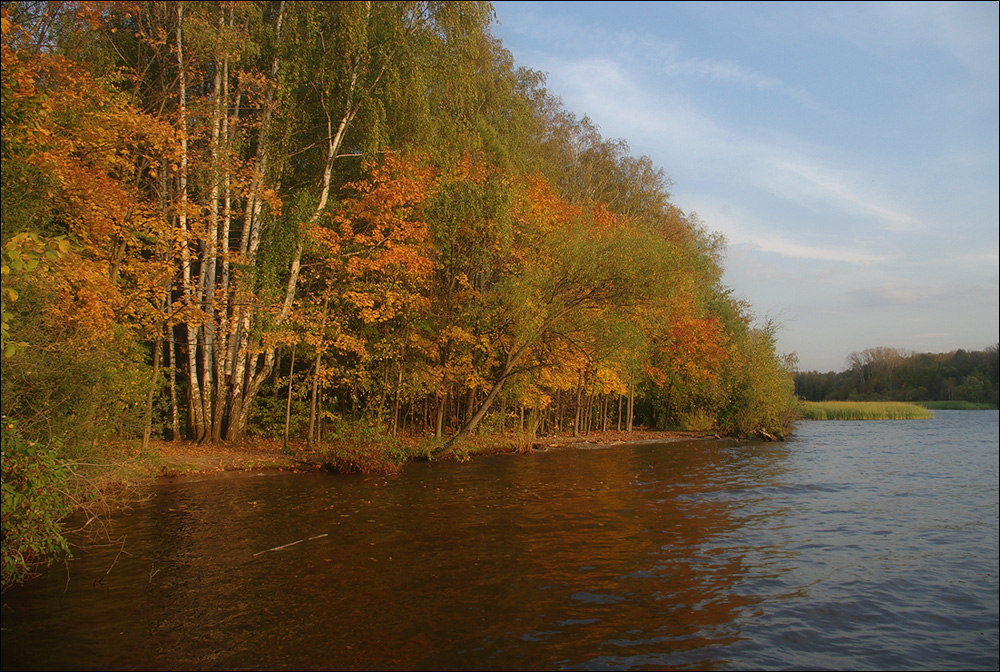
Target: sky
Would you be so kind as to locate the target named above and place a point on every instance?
(847, 151)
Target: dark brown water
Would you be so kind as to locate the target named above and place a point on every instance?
(856, 546)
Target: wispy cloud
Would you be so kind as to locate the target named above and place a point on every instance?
(967, 298)
(608, 90)
(843, 190)
(668, 58)
(745, 237)
(777, 245)
(678, 127)
(641, 52)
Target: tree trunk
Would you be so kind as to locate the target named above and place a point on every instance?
(313, 399)
(503, 414)
(244, 378)
(395, 397)
(175, 415)
(316, 369)
(579, 406)
(589, 414)
(224, 322)
(470, 403)
(288, 404)
(631, 402)
(196, 417)
(148, 425)
(440, 403)
(209, 263)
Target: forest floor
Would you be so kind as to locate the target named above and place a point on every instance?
(179, 458)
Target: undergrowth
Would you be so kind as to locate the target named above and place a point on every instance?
(362, 449)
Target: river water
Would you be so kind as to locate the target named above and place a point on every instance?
(855, 545)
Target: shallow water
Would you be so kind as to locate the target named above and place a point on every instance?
(856, 545)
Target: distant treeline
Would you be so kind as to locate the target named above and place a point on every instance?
(893, 374)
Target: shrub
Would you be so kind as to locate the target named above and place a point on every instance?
(35, 500)
(365, 449)
(698, 420)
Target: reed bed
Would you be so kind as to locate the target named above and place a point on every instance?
(957, 406)
(862, 410)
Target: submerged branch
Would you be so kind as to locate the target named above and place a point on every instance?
(279, 548)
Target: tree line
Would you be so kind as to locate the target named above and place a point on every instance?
(894, 374)
(223, 220)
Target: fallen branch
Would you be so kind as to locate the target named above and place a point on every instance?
(278, 548)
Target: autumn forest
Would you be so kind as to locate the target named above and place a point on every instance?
(231, 220)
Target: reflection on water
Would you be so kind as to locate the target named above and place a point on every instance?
(857, 545)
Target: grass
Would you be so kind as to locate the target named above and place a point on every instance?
(862, 410)
(957, 406)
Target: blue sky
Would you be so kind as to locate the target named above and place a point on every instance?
(848, 152)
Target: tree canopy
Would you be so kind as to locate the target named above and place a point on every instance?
(365, 207)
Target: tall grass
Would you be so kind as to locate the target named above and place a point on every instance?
(957, 406)
(862, 410)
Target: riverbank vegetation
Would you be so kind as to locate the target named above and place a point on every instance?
(863, 410)
(316, 221)
(958, 406)
(891, 374)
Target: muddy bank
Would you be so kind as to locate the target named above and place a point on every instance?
(181, 458)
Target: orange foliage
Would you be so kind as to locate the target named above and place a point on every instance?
(377, 244)
(94, 150)
(548, 211)
(380, 229)
(691, 350)
(605, 219)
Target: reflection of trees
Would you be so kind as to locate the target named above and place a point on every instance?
(625, 555)
(507, 562)
(536, 560)
(533, 559)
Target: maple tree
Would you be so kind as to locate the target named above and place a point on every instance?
(74, 155)
(372, 274)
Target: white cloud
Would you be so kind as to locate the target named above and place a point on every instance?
(668, 58)
(842, 190)
(777, 245)
(676, 129)
(741, 232)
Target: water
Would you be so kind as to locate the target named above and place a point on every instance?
(857, 545)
